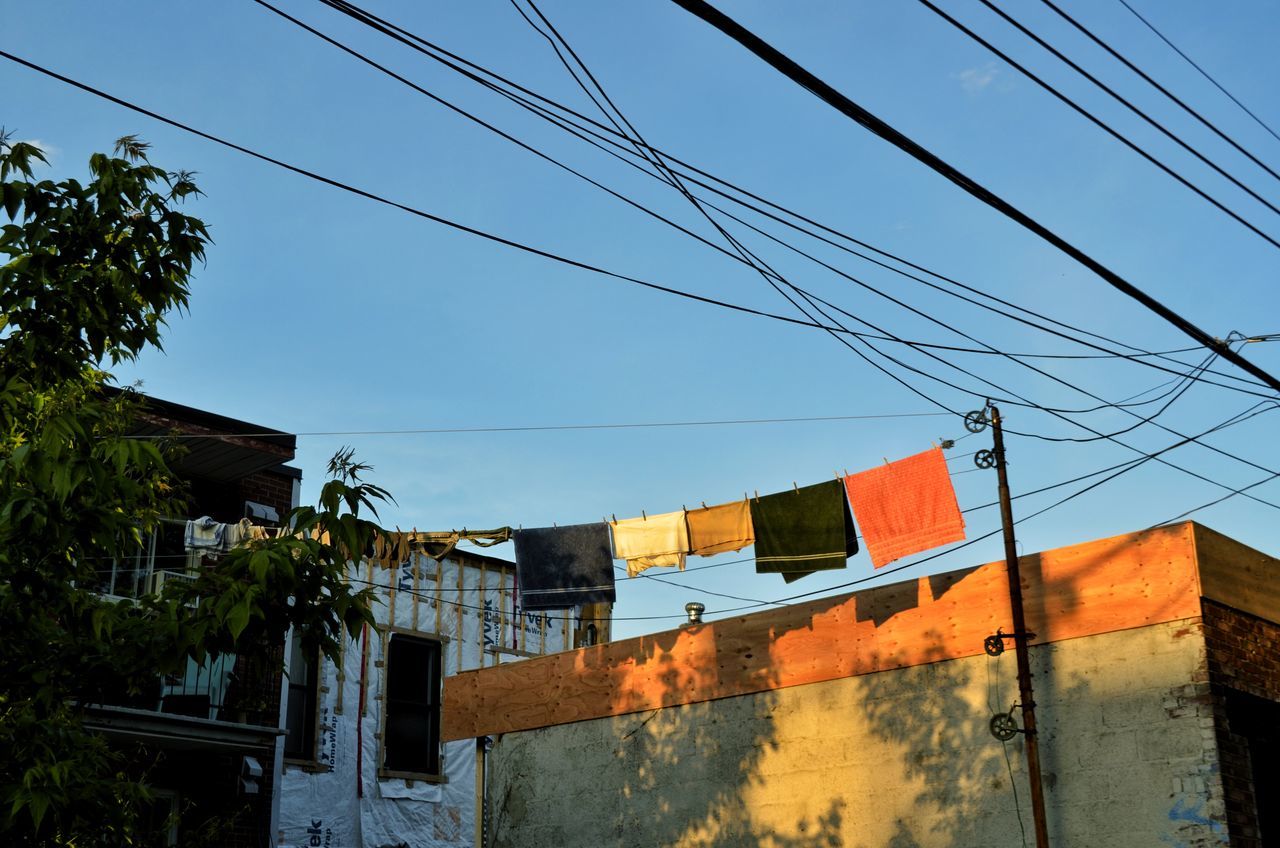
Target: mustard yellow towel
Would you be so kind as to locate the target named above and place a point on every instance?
(651, 541)
(721, 528)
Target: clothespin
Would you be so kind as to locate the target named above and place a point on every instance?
(684, 508)
(643, 517)
(704, 504)
(846, 472)
(932, 442)
(794, 486)
(757, 496)
(947, 443)
(886, 459)
(614, 515)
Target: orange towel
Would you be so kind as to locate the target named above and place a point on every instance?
(720, 528)
(905, 507)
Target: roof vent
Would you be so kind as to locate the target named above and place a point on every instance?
(694, 610)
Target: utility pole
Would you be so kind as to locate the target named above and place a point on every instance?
(1020, 636)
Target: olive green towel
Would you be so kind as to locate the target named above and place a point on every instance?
(803, 530)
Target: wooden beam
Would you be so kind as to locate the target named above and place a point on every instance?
(1098, 587)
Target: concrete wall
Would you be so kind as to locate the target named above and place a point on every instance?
(897, 758)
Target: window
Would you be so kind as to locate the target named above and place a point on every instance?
(301, 708)
(411, 732)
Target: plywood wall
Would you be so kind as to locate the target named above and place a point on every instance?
(1236, 575)
(1097, 587)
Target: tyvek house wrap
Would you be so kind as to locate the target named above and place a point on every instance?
(321, 806)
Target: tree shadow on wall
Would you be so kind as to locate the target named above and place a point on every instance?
(959, 785)
(689, 775)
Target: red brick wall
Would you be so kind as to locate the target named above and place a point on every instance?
(1243, 657)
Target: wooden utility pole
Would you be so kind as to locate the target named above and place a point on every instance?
(1020, 637)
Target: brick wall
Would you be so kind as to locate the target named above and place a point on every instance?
(268, 487)
(1244, 675)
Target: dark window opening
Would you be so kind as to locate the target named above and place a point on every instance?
(302, 706)
(411, 736)
(1257, 722)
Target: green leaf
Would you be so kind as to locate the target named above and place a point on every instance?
(238, 618)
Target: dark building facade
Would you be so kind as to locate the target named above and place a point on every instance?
(212, 736)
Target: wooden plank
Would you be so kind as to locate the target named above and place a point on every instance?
(502, 612)
(458, 605)
(439, 596)
(1236, 575)
(480, 621)
(393, 582)
(416, 559)
(1097, 587)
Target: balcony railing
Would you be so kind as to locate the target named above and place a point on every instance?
(160, 558)
(201, 690)
(218, 688)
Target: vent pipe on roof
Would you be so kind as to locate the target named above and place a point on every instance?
(694, 610)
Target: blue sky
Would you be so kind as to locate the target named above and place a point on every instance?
(321, 311)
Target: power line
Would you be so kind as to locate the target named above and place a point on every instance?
(666, 174)
(372, 196)
(1146, 77)
(547, 427)
(403, 207)
(1165, 131)
(1216, 501)
(1098, 122)
(1202, 71)
(450, 60)
(850, 109)
(769, 274)
(641, 144)
(545, 254)
(674, 180)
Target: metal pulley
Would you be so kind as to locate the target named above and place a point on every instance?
(1004, 726)
(976, 421)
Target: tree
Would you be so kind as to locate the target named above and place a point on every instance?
(90, 271)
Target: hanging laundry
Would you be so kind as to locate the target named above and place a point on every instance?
(205, 534)
(803, 530)
(720, 528)
(652, 540)
(906, 507)
(236, 534)
(563, 567)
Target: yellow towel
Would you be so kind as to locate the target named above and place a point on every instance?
(651, 541)
(717, 529)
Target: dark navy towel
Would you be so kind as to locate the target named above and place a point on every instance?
(562, 567)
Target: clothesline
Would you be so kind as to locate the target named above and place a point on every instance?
(904, 507)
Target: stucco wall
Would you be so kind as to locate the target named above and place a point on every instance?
(898, 758)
